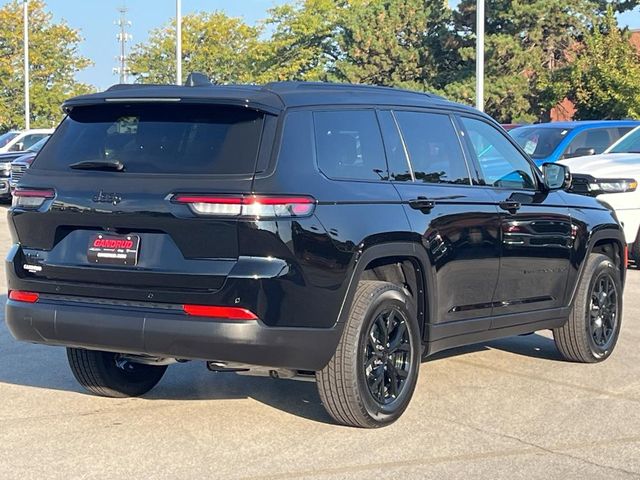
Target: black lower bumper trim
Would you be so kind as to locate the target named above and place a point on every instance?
(170, 334)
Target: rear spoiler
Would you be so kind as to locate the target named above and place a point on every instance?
(246, 96)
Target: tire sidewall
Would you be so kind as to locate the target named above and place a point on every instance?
(602, 267)
(391, 298)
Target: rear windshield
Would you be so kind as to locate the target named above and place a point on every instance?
(539, 142)
(157, 138)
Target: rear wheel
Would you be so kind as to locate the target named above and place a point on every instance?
(591, 333)
(371, 378)
(108, 375)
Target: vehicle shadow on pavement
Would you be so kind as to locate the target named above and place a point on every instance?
(22, 364)
(534, 346)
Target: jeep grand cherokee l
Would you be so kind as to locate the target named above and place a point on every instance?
(301, 230)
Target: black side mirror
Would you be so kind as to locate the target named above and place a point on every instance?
(556, 176)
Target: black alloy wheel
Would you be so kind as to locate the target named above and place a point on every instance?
(387, 356)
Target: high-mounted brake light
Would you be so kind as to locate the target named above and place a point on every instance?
(248, 206)
(22, 296)
(32, 198)
(230, 313)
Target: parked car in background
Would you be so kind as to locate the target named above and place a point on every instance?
(613, 178)
(6, 160)
(550, 142)
(22, 161)
(19, 141)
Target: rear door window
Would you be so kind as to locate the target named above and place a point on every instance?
(158, 138)
(349, 145)
(433, 148)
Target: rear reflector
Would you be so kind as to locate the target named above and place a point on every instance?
(22, 296)
(231, 313)
(32, 197)
(248, 206)
(626, 257)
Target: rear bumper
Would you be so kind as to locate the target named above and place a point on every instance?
(167, 333)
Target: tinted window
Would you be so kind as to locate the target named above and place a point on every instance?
(433, 147)
(501, 163)
(597, 138)
(539, 142)
(396, 156)
(158, 138)
(349, 145)
(628, 144)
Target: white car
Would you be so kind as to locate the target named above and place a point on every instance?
(19, 141)
(613, 177)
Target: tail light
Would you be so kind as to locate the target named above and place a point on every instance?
(22, 296)
(248, 205)
(230, 313)
(31, 198)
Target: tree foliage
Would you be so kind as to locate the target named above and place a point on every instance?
(212, 43)
(605, 77)
(53, 58)
(404, 43)
(531, 46)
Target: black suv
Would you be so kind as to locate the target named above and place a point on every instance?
(332, 231)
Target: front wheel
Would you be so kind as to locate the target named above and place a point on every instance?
(591, 332)
(371, 377)
(107, 375)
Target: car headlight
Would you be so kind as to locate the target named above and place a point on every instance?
(5, 168)
(613, 185)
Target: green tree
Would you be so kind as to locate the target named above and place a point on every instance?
(219, 46)
(529, 44)
(53, 58)
(605, 77)
(304, 42)
(408, 43)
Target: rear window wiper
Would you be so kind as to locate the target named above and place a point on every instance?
(115, 165)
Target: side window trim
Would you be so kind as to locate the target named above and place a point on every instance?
(404, 145)
(467, 150)
(534, 169)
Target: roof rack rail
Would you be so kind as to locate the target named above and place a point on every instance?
(197, 79)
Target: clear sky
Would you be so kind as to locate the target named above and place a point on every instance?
(95, 20)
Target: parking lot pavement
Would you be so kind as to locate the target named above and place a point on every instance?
(504, 409)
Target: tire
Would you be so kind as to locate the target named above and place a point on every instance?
(99, 373)
(591, 332)
(349, 385)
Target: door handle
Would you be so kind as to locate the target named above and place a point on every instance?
(510, 205)
(422, 203)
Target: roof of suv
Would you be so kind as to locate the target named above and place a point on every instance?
(271, 97)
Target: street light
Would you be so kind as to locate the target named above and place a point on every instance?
(178, 42)
(25, 39)
(480, 55)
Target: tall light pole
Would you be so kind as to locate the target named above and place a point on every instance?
(480, 55)
(178, 42)
(25, 39)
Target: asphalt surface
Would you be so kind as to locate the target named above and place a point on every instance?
(504, 409)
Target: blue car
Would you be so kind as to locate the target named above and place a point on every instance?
(550, 142)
